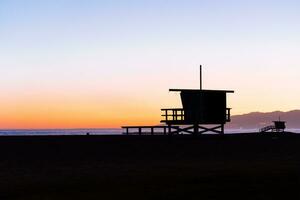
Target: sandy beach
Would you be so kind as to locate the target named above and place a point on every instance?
(247, 166)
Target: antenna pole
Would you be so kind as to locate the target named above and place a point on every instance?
(200, 77)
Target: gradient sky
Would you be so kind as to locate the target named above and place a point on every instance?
(94, 63)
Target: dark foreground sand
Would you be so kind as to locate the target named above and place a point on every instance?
(145, 167)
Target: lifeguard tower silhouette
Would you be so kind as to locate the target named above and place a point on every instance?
(279, 126)
(202, 111)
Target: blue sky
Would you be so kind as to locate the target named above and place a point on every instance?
(96, 52)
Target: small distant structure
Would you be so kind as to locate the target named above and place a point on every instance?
(202, 111)
(279, 126)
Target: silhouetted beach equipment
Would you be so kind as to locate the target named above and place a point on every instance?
(202, 111)
(279, 126)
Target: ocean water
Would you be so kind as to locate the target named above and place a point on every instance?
(101, 131)
(31, 132)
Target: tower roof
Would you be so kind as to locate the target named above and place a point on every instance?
(197, 90)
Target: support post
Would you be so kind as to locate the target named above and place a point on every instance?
(166, 111)
(173, 112)
(196, 129)
(222, 129)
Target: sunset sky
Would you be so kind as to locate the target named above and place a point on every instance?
(96, 63)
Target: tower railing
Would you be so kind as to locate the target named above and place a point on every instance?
(173, 114)
(228, 119)
(177, 114)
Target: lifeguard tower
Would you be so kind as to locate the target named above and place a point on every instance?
(279, 126)
(202, 111)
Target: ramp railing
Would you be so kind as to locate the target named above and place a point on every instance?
(267, 128)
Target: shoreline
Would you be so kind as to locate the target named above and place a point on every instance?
(148, 134)
(114, 132)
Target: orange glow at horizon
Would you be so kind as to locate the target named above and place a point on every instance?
(80, 119)
(45, 112)
(75, 114)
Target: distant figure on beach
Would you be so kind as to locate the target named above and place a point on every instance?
(87, 133)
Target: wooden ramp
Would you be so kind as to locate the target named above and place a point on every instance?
(150, 130)
(267, 128)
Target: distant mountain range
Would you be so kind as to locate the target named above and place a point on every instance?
(256, 120)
